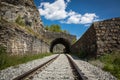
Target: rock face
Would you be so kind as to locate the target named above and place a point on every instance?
(19, 42)
(21, 29)
(102, 37)
(25, 10)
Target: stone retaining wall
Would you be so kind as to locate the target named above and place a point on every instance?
(102, 37)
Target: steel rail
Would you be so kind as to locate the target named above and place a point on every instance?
(78, 73)
(26, 74)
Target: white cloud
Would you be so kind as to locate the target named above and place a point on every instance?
(76, 18)
(88, 18)
(53, 11)
(57, 11)
(68, 0)
(73, 17)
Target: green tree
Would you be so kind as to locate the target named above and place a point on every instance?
(55, 28)
(65, 31)
(47, 27)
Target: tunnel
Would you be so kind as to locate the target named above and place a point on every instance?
(62, 41)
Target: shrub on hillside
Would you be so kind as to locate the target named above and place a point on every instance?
(20, 21)
(112, 63)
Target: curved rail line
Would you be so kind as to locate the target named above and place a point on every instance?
(23, 76)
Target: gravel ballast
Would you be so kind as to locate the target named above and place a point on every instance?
(14, 71)
(60, 69)
(92, 72)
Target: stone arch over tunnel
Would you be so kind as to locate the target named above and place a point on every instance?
(62, 41)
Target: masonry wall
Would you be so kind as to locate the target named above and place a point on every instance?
(54, 35)
(102, 37)
(17, 41)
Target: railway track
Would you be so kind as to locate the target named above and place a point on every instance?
(61, 67)
(76, 71)
(28, 75)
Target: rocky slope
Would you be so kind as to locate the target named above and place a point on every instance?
(21, 29)
(24, 10)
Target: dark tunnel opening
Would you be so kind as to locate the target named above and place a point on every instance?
(62, 41)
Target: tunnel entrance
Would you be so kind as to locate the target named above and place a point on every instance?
(62, 41)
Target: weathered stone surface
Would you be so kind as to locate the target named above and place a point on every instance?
(18, 41)
(10, 10)
(102, 37)
(54, 35)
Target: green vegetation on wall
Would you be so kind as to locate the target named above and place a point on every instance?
(55, 28)
(2, 50)
(74, 40)
(3, 54)
(21, 24)
(20, 21)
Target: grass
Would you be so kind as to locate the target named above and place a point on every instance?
(7, 60)
(21, 24)
(111, 63)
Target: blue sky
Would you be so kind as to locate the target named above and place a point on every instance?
(76, 16)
